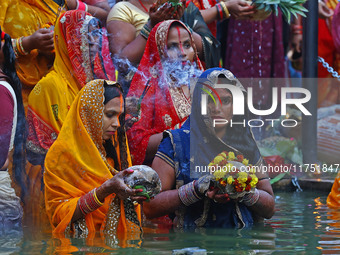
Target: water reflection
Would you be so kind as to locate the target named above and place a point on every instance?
(302, 224)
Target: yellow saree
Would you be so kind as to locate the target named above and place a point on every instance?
(51, 99)
(22, 18)
(76, 163)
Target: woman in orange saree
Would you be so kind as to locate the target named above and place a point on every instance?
(84, 188)
(161, 85)
(81, 49)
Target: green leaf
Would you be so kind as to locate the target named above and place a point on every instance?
(144, 193)
(277, 178)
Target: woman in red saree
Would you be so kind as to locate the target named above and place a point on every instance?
(160, 87)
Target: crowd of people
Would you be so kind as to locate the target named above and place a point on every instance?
(86, 91)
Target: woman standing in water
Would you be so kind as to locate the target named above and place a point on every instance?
(186, 194)
(82, 54)
(12, 134)
(84, 187)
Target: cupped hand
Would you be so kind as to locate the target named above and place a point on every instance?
(117, 186)
(159, 13)
(180, 11)
(240, 9)
(218, 198)
(42, 39)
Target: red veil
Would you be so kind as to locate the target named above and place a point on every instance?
(164, 104)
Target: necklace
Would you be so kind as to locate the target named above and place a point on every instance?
(140, 2)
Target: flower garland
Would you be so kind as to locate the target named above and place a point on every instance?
(230, 175)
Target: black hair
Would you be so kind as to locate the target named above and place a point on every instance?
(19, 156)
(111, 92)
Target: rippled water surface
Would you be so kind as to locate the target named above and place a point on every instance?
(302, 224)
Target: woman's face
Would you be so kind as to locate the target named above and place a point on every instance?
(94, 39)
(112, 110)
(179, 44)
(224, 111)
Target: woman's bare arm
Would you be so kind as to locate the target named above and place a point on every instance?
(123, 41)
(168, 200)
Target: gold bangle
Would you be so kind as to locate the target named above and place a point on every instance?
(96, 198)
(20, 48)
(14, 45)
(225, 10)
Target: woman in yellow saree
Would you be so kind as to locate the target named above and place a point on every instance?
(81, 49)
(84, 187)
(21, 19)
(82, 54)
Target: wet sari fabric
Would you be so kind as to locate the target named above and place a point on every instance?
(51, 98)
(72, 170)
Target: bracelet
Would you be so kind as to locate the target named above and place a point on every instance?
(251, 198)
(219, 11)
(89, 202)
(296, 27)
(187, 194)
(225, 10)
(20, 48)
(14, 45)
(96, 198)
(145, 31)
(297, 32)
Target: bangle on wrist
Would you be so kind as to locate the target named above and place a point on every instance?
(225, 10)
(219, 11)
(187, 194)
(297, 32)
(89, 202)
(251, 198)
(20, 49)
(296, 27)
(145, 31)
(14, 45)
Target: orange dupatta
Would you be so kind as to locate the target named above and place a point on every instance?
(52, 97)
(76, 163)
